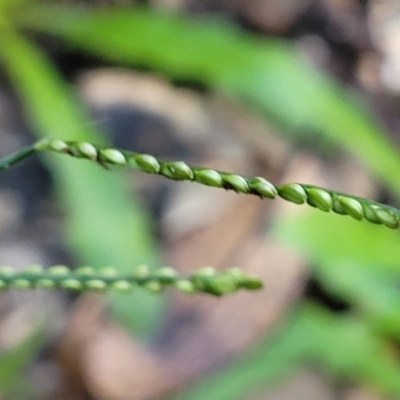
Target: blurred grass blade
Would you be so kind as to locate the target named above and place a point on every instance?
(104, 225)
(341, 344)
(364, 276)
(273, 359)
(312, 234)
(266, 73)
(347, 346)
(13, 382)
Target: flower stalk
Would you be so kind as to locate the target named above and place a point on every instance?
(16, 157)
(205, 280)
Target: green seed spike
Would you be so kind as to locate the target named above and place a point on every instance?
(319, 198)
(235, 182)
(323, 199)
(352, 207)
(87, 150)
(147, 163)
(357, 208)
(112, 156)
(208, 177)
(262, 187)
(388, 218)
(177, 170)
(292, 192)
(206, 279)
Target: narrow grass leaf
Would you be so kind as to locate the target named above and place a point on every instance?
(104, 226)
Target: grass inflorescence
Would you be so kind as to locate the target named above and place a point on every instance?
(205, 280)
(324, 199)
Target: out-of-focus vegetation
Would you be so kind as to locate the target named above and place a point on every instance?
(355, 263)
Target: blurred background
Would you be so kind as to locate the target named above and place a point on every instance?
(295, 91)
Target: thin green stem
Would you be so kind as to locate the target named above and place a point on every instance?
(16, 157)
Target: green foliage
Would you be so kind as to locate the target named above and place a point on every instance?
(312, 335)
(13, 361)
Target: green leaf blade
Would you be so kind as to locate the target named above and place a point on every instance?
(103, 225)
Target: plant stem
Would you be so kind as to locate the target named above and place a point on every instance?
(16, 157)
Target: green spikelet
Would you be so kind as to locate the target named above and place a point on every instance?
(236, 182)
(177, 170)
(263, 188)
(388, 218)
(86, 150)
(112, 156)
(319, 198)
(292, 192)
(58, 146)
(352, 207)
(208, 177)
(147, 163)
(370, 213)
